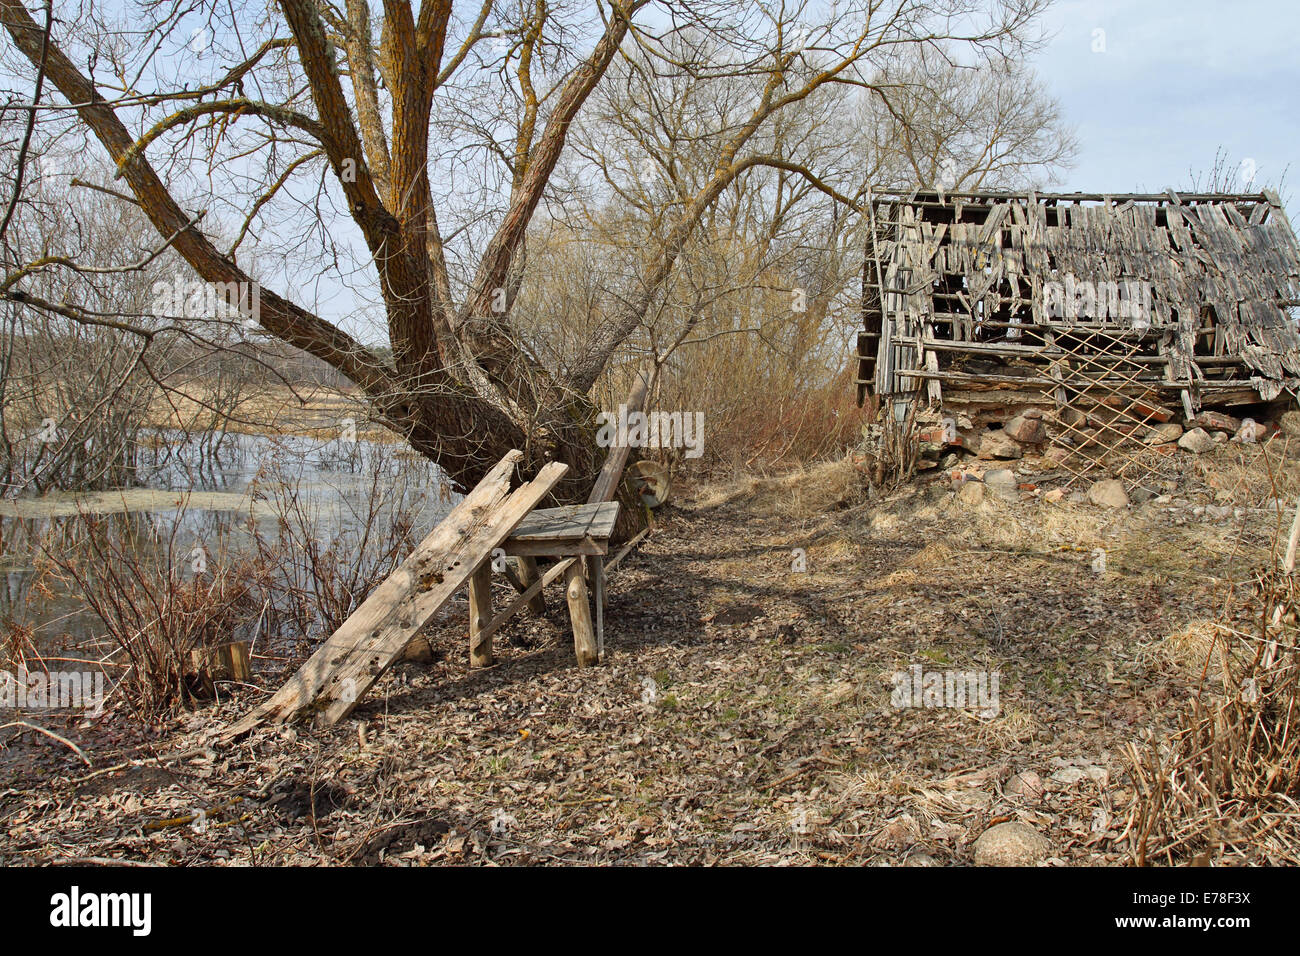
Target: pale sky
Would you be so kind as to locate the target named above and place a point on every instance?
(1176, 80)
(1150, 99)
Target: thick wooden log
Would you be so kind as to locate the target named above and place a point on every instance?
(528, 576)
(584, 635)
(480, 613)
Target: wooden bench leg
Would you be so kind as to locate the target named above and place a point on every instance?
(598, 576)
(480, 613)
(528, 576)
(584, 638)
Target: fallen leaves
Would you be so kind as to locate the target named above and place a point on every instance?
(743, 717)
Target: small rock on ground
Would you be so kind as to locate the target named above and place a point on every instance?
(1011, 844)
(1108, 493)
(1197, 441)
(1163, 434)
(970, 494)
(1250, 432)
(1026, 784)
(1027, 427)
(998, 444)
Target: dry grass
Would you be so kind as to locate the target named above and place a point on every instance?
(934, 555)
(806, 492)
(1246, 478)
(312, 411)
(156, 610)
(1188, 649)
(812, 492)
(1012, 726)
(1225, 786)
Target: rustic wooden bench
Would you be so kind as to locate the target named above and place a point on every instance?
(574, 535)
(461, 549)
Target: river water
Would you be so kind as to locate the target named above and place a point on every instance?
(203, 505)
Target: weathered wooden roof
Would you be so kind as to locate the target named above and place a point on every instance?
(993, 253)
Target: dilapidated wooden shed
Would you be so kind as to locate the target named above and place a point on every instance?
(1098, 310)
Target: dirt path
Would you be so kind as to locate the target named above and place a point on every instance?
(744, 713)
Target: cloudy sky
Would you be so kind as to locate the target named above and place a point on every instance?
(1167, 82)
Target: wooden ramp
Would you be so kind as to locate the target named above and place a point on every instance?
(346, 666)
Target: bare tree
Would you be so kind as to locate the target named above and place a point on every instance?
(358, 130)
(756, 316)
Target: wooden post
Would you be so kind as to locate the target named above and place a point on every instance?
(584, 638)
(480, 613)
(234, 659)
(528, 576)
(598, 580)
(1288, 562)
(226, 662)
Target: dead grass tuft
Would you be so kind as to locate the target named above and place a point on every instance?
(1188, 649)
(1225, 784)
(807, 492)
(812, 492)
(934, 555)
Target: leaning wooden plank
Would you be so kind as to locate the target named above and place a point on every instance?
(315, 673)
(444, 574)
(350, 661)
(606, 486)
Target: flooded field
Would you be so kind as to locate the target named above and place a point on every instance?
(200, 507)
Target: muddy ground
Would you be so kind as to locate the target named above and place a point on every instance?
(743, 714)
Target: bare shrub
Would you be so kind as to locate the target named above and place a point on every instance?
(892, 447)
(1227, 780)
(325, 567)
(157, 608)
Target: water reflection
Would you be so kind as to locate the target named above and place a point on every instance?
(197, 494)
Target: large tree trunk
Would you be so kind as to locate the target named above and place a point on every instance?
(461, 391)
(466, 446)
